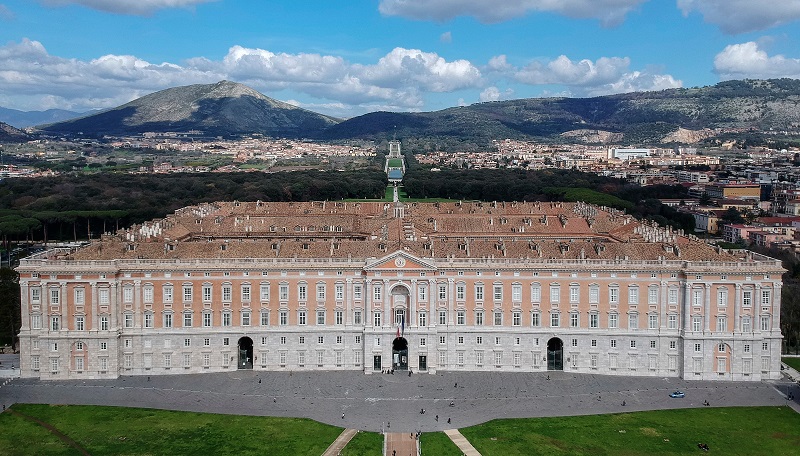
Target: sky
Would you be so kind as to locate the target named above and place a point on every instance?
(349, 57)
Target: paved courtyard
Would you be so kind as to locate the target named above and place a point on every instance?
(393, 402)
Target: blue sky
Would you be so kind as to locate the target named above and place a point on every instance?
(348, 57)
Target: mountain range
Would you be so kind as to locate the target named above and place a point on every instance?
(9, 134)
(668, 116)
(24, 119)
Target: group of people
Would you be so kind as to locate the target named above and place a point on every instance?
(703, 446)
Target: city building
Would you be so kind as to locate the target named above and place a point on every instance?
(429, 287)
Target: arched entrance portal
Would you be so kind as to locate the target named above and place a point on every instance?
(245, 353)
(400, 354)
(555, 354)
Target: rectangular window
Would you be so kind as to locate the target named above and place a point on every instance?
(79, 323)
(226, 318)
(301, 317)
(357, 317)
(187, 320)
(765, 298)
(129, 320)
(594, 294)
(36, 322)
(147, 294)
(652, 295)
(376, 319)
(79, 296)
(227, 293)
(697, 322)
(264, 318)
(554, 320)
(460, 292)
(672, 322)
(516, 318)
(479, 318)
(264, 292)
(338, 317)
(148, 320)
(187, 293)
(245, 318)
(246, 293)
(283, 292)
(613, 343)
(536, 319)
(127, 294)
(652, 322)
(283, 318)
(765, 322)
(423, 319)
(697, 297)
(55, 323)
(672, 296)
(746, 324)
(302, 292)
(356, 291)
(339, 291)
(461, 317)
(555, 294)
(167, 320)
(320, 317)
(516, 292)
(167, 360)
(573, 320)
(594, 320)
(442, 317)
(613, 321)
(747, 298)
(574, 294)
(55, 295)
(479, 292)
(633, 321)
(613, 295)
(442, 292)
(167, 292)
(498, 292)
(36, 295)
(536, 293)
(722, 297)
(320, 292)
(498, 318)
(722, 324)
(422, 293)
(633, 295)
(206, 293)
(376, 293)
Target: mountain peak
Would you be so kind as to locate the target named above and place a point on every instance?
(221, 108)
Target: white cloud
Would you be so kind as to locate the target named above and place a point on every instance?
(740, 16)
(446, 37)
(609, 12)
(748, 60)
(32, 79)
(135, 7)
(494, 94)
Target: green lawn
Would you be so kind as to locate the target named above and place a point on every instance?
(729, 431)
(364, 444)
(792, 362)
(134, 431)
(438, 444)
(395, 163)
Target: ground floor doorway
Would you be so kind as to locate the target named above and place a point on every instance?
(423, 362)
(376, 363)
(400, 354)
(245, 353)
(555, 354)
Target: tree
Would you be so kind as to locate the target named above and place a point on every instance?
(10, 320)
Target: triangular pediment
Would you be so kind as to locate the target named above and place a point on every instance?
(400, 261)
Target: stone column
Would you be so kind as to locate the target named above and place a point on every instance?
(114, 305)
(451, 302)
(348, 299)
(737, 308)
(95, 309)
(65, 313)
(137, 304)
(388, 318)
(757, 307)
(412, 304)
(24, 296)
(776, 307)
(662, 304)
(707, 308)
(687, 305)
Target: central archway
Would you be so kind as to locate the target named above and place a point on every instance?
(245, 360)
(555, 354)
(400, 353)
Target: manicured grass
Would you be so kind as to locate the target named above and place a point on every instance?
(134, 431)
(389, 193)
(364, 444)
(792, 362)
(438, 444)
(730, 431)
(395, 163)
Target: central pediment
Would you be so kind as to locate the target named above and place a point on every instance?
(400, 261)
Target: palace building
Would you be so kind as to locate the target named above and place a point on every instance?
(458, 286)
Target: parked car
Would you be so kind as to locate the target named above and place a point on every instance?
(677, 394)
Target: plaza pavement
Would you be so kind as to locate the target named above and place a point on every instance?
(371, 402)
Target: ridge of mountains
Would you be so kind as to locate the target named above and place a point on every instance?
(684, 116)
(24, 119)
(9, 134)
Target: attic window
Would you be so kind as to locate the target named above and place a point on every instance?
(335, 246)
(382, 246)
(131, 247)
(338, 228)
(272, 228)
(305, 246)
(197, 221)
(274, 246)
(426, 246)
(462, 246)
(236, 204)
(297, 228)
(223, 247)
(170, 247)
(503, 220)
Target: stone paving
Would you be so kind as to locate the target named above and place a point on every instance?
(370, 402)
(461, 442)
(399, 444)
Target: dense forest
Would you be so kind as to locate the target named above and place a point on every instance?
(74, 207)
